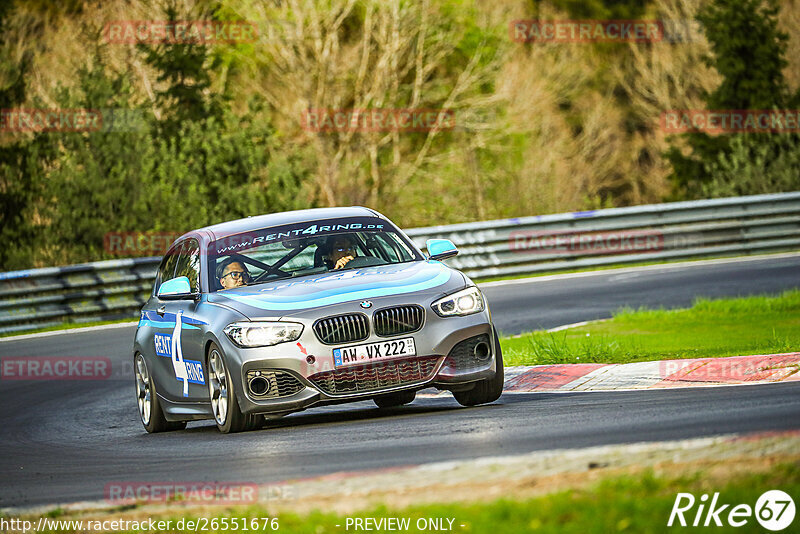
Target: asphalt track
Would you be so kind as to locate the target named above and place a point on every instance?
(64, 441)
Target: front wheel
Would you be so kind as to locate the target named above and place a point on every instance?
(488, 390)
(227, 415)
(150, 411)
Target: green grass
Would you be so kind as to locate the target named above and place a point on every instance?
(710, 328)
(639, 502)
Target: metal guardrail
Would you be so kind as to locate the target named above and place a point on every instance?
(116, 289)
(693, 229)
(104, 290)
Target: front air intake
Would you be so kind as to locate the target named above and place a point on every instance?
(377, 376)
(272, 384)
(470, 355)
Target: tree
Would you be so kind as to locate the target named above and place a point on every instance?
(16, 170)
(748, 52)
(755, 165)
(183, 75)
(188, 162)
(379, 55)
(132, 176)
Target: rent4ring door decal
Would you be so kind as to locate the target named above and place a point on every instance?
(170, 346)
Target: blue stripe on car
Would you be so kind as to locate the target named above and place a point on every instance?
(419, 282)
(154, 320)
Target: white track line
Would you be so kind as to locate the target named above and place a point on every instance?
(572, 325)
(68, 331)
(646, 388)
(671, 265)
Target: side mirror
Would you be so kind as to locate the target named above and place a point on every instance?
(176, 289)
(440, 249)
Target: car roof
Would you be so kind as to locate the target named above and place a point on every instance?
(287, 217)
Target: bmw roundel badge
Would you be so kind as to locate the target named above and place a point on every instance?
(366, 304)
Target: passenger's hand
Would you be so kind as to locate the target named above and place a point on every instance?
(342, 262)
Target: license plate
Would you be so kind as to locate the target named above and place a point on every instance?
(371, 352)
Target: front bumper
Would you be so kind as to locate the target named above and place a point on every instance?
(443, 360)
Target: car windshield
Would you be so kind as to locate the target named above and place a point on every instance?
(267, 254)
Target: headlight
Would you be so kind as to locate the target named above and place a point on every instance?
(465, 302)
(263, 334)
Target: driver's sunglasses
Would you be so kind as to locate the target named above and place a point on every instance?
(237, 275)
(349, 248)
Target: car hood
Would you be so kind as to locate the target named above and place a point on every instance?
(285, 297)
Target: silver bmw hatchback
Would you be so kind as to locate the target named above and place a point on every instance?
(274, 314)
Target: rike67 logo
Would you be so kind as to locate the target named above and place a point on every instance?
(774, 510)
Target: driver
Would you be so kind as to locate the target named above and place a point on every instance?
(232, 273)
(341, 250)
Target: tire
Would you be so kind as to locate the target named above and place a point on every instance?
(150, 412)
(488, 390)
(393, 400)
(224, 404)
